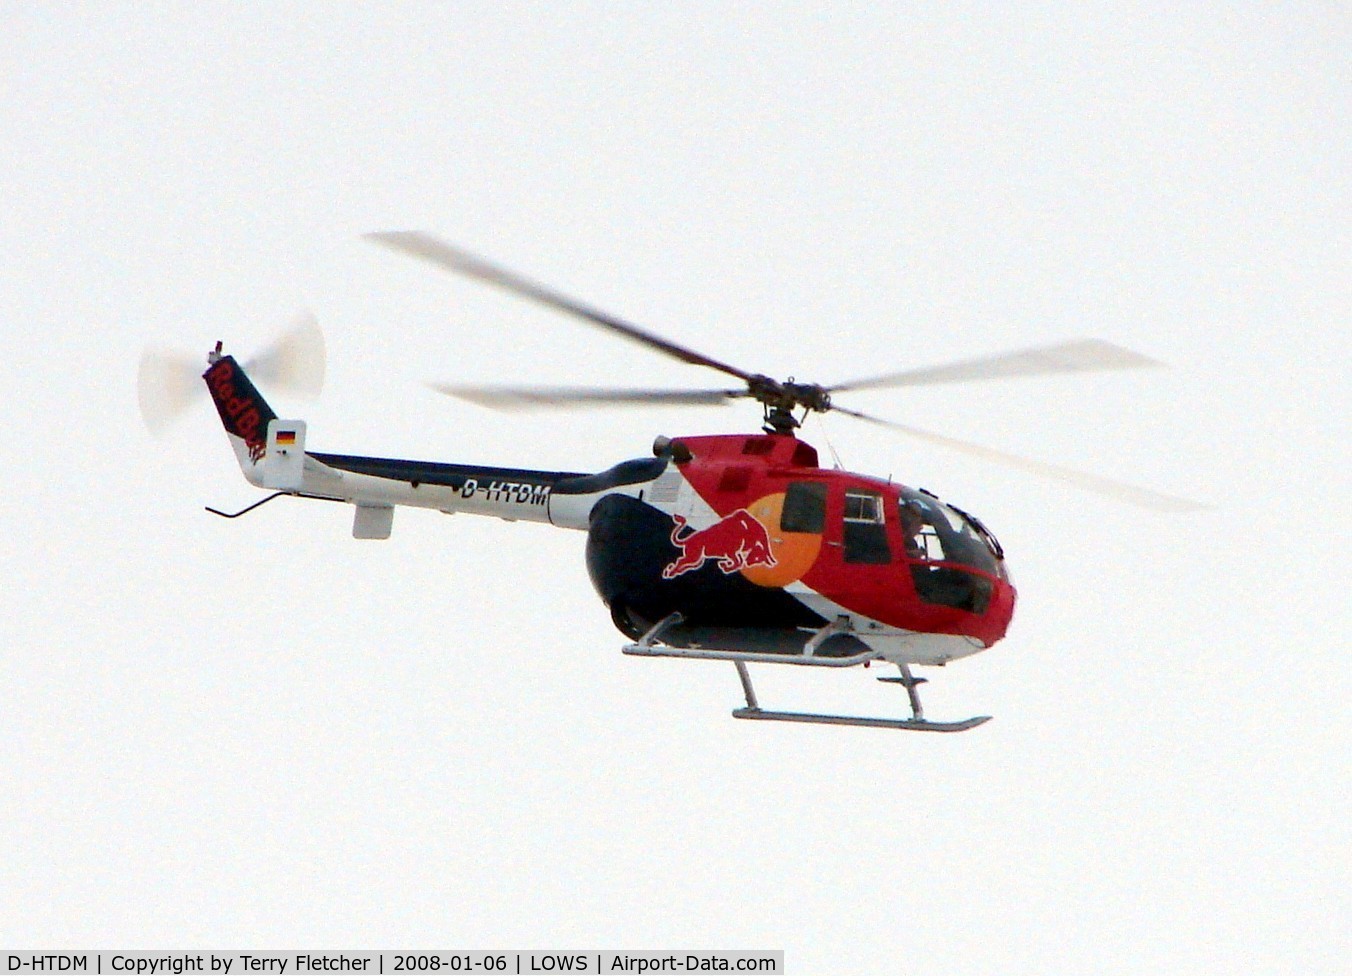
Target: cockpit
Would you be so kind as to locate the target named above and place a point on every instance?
(952, 559)
(935, 533)
(942, 533)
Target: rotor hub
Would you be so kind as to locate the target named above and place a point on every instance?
(780, 400)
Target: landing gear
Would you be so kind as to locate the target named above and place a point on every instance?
(650, 645)
(916, 723)
(910, 682)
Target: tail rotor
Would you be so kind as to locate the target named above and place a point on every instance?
(169, 381)
(294, 362)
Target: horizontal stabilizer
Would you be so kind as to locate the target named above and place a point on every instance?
(283, 464)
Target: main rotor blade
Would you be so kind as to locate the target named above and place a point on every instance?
(438, 252)
(1079, 356)
(1131, 494)
(544, 397)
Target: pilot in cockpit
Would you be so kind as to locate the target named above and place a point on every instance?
(912, 522)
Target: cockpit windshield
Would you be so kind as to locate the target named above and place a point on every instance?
(937, 532)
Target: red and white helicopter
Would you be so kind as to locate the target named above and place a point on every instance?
(736, 548)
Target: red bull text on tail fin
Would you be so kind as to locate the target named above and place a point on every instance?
(242, 408)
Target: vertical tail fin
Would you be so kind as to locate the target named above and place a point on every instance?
(271, 452)
(243, 410)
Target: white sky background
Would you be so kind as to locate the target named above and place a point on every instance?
(263, 733)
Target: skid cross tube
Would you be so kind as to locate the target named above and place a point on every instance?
(763, 657)
(838, 626)
(647, 646)
(910, 682)
(747, 690)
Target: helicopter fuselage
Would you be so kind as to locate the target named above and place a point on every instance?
(745, 537)
(753, 544)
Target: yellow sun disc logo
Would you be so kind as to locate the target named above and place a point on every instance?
(794, 552)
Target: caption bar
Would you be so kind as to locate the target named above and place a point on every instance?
(442, 963)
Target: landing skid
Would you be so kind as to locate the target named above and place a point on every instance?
(916, 723)
(910, 724)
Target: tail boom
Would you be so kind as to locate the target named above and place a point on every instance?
(271, 454)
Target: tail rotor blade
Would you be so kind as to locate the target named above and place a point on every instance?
(167, 384)
(169, 381)
(295, 362)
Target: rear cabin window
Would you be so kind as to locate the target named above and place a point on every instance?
(804, 507)
(865, 534)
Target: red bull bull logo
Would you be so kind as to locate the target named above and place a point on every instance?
(736, 542)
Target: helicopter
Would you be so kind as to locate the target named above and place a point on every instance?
(729, 547)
